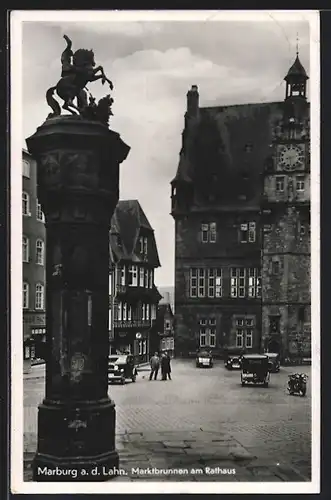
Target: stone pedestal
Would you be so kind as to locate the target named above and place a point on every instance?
(78, 188)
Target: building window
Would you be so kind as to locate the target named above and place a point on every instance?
(122, 275)
(251, 232)
(140, 347)
(212, 232)
(302, 229)
(202, 337)
(247, 233)
(275, 267)
(40, 252)
(207, 335)
(274, 324)
(234, 282)
(144, 346)
(25, 249)
(212, 337)
(244, 332)
(193, 282)
(133, 276)
(119, 311)
(39, 302)
(211, 282)
(242, 282)
(259, 284)
(167, 324)
(125, 311)
(208, 232)
(143, 245)
(300, 184)
(201, 282)
(218, 283)
(151, 278)
(280, 183)
(249, 338)
(25, 295)
(254, 282)
(146, 278)
(147, 312)
(25, 203)
(39, 212)
(26, 168)
(141, 277)
(129, 313)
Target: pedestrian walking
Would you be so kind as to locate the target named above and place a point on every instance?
(165, 366)
(155, 365)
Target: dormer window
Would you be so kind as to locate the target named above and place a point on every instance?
(208, 232)
(247, 233)
(143, 245)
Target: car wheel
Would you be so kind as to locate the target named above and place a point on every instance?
(122, 381)
(133, 378)
(242, 383)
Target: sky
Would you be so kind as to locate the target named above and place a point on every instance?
(152, 65)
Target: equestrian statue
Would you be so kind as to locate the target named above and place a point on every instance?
(78, 69)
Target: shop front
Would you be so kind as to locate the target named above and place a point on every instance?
(34, 334)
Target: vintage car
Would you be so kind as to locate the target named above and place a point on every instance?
(120, 368)
(204, 359)
(274, 361)
(255, 369)
(233, 362)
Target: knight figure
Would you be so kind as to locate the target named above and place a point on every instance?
(78, 69)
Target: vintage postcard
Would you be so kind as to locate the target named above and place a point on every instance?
(165, 252)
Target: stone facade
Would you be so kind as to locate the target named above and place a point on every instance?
(34, 321)
(230, 224)
(286, 314)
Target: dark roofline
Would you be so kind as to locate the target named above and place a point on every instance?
(220, 106)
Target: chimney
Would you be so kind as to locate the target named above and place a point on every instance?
(193, 101)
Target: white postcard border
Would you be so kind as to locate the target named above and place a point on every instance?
(16, 436)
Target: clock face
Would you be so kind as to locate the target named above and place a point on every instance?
(291, 157)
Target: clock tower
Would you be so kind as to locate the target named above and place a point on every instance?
(286, 226)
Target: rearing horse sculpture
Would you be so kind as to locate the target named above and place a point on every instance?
(78, 69)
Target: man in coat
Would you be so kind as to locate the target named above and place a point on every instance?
(165, 366)
(155, 365)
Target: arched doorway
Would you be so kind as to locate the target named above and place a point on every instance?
(274, 346)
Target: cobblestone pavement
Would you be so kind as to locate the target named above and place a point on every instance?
(202, 418)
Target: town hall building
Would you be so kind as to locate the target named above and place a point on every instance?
(241, 205)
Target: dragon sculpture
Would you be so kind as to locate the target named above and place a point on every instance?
(78, 69)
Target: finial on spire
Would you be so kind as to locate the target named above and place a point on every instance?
(297, 44)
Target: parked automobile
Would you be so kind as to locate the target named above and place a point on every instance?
(204, 359)
(233, 362)
(274, 361)
(255, 369)
(120, 368)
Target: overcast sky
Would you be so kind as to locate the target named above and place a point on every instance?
(152, 65)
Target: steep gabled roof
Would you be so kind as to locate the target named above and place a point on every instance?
(127, 222)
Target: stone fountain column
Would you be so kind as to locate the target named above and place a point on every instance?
(78, 188)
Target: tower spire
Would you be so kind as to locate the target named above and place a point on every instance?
(297, 44)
